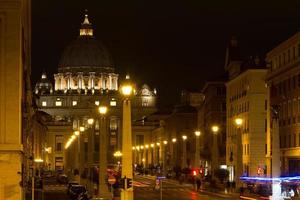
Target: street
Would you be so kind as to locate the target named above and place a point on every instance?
(144, 189)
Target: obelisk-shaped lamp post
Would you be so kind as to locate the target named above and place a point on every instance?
(127, 173)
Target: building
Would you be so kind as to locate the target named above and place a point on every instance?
(15, 102)
(212, 112)
(86, 79)
(246, 99)
(283, 79)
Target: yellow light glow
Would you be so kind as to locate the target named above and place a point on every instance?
(127, 90)
(118, 154)
(142, 147)
(38, 160)
(157, 143)
(184, 137)
(152, 145)
(102, 110)
(146, 146)
(165, 142)
(91, 121)
(174, 140)
(73, 137)
(238, 121)
(137, 147)
(81, 128)
(76, 133)
(215, 128)
(197, 133)
(133, 148)
(143, 160)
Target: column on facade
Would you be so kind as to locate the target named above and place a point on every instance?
(57, 82)
(80, 80)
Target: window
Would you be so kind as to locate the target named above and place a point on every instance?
(44, 103)
(74, 103)
(266, 104)
(58, 103)
(113, 103)
(58, 142)
(97, 103)
(266, 125)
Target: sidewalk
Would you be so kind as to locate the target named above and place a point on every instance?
(206, 190)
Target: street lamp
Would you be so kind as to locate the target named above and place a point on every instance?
(215, 149)
(90, 121)
(103, 189)
(127, 92)
(164, 147)
(197, 152)
(184, 138)
(239, 154)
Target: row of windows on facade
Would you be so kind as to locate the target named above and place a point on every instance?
(288, 141)
(285, 86)
(59, 141)
(289, 110)
(238, 109)
(239, 95)
(113, 102)
(246, 150)
(286, 57)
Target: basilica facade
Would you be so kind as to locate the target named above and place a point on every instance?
(85, 80)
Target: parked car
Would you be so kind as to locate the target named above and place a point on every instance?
(62, 178)
(76, 190)
(70, 184)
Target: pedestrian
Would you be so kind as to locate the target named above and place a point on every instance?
(198, 182)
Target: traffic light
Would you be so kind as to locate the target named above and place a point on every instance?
(122, 183)
(129, 182)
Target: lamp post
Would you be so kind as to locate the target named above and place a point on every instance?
(146, 155)
(239, 152)
(127, 90)
(215, 150)
(197, 149)
(163, 148)
(36, 162)
(174, 140)
(184, 137)
(81, 129)
(152, 151)
(103, 189)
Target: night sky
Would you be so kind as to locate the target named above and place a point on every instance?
(170, 45)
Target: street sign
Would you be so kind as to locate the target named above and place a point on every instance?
(161, 177)
(111, 180)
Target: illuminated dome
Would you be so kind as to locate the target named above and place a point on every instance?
(44, 85)
(85, 53)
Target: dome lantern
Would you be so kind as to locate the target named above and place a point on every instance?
(86, 27)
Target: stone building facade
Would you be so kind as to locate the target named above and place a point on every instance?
(246, 99)
(212, 112)
(283, 79)
(15, 99)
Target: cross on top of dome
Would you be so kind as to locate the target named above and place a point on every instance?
(86, 27)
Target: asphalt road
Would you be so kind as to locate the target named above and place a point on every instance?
(144, 189)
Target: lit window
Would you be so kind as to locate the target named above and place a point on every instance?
(97, 103)
(113, 103)
(74, 103)
(44, 103)
(58, 103)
